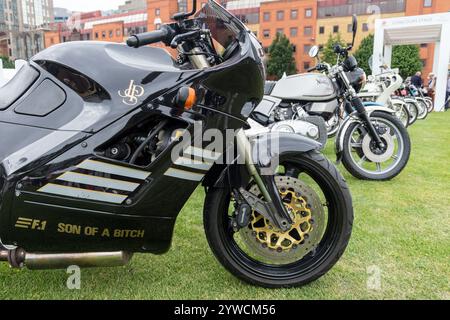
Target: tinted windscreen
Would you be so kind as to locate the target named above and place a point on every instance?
(225, 28)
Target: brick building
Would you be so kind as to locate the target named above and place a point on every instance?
(297, 19)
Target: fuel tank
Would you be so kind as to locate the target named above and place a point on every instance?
(66, 85)
(304, 87)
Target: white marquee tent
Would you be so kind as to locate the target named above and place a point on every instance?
(433, 28)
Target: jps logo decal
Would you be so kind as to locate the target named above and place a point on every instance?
(33, 224)
(130, 96)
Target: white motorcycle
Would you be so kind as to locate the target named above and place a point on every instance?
(381, 89)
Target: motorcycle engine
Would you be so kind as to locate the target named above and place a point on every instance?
(289, 111)
(141, 147)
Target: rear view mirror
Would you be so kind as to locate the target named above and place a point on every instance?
(354, 28)
(314, 51)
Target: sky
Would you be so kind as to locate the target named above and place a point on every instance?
(88, 5)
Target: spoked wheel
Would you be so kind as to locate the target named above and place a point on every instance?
(320, 206)
(402, 113)
(365, 160)
(333, 126)
(413, 112)
(430, 105)
(423, 109)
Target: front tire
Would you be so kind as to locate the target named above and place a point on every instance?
(311, 266)
(360, 154)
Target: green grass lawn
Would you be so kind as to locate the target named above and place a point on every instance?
(402, 227)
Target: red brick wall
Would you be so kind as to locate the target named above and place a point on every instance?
(112, 32)
(273, 24)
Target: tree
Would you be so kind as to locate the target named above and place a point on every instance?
(7, 63)
(327, 53)
(405, 58)
(281, 57)
(364, 53)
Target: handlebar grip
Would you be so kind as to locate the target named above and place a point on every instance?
(312, 69)
(143, 39)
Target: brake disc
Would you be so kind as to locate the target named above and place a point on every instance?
(380, 157)
(304, 205)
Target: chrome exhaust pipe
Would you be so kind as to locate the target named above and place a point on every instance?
(18, 258)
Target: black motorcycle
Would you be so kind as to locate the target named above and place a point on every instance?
(101, 151)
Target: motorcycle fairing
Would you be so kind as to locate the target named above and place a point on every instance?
(46, 206)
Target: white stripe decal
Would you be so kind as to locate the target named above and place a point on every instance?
(203, 154)
(83, 193)
(194, 164)
(113, 169)
(186, 175)
(98, 181)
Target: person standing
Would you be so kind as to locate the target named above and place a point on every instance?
(431, 85)
(416, 80)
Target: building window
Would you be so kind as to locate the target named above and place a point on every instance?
(424, 62)
(427, 3)
(104, 34)
(280, 15)
(294, 32)
(266, 33)
(280, 31)
(335, 29)
(294, 48)
(308, 13)
(111, 34)
(365, 27)
(306, 48)
(321, 30)
(158, 26)
(118, 33)
(306, 66)
(424, 45)
(308, 31)
(88, 36)
(349, 28)
(266, 16)
(294, 14)
(157, 12)
(96, 35)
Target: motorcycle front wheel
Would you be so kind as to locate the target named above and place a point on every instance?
(316, 195)
(402, 113)
(423, 109)
(413, 112)
(365, 160)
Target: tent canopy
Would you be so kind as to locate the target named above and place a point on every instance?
(433, 28)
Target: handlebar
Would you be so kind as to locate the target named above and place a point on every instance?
(143, 39)
(312, 69)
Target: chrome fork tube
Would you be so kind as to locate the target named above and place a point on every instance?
(244, 148)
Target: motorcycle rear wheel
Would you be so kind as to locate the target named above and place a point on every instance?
(315, 262)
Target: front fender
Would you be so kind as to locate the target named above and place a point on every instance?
(265, 148)
(370, 108)
(268, 146)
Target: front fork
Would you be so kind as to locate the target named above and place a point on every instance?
(273, 207)
(357, 104)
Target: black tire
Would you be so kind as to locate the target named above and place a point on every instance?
(357, 172)
(413, 112)
(423, 109)
(310, 267)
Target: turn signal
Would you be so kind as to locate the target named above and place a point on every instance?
(185, 98)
